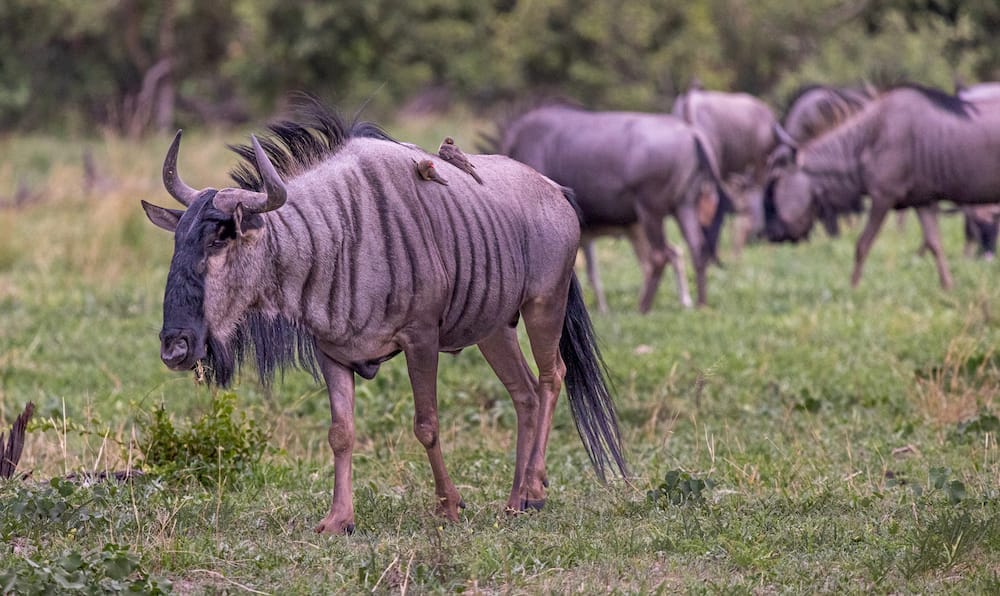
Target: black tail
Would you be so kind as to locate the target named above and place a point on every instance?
(589, 397)
(714, 229)
(570, 195)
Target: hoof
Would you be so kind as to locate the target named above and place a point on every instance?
(335, 527)
(448, 510)
(534, 504)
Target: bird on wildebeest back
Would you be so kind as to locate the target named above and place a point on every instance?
(450, 152)
(427, 171)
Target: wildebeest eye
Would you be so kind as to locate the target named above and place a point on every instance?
(223, 234)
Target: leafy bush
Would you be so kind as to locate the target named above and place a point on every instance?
(215, 447)
(112, 569)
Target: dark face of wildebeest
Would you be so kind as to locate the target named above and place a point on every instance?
(200, 303)
(200, 232)
(789, 208)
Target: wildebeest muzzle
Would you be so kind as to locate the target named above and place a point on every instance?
(180, 349)
(773, 226)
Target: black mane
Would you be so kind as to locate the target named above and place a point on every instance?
(850, 95)
(799, 93)
(297, 145)
(941, 99)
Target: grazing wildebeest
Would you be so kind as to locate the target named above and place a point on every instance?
(912, 147)
(628, 171)
(333, 252)
(812, 111)
(739, 129)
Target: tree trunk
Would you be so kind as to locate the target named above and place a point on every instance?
(163, 114)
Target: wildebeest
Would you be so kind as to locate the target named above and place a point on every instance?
(333, 254)
(912, 147)
(981, 228)
(812, 111)
(628, 171)
(981, 221)
(739, 129)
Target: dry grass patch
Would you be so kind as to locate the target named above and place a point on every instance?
(964, 384)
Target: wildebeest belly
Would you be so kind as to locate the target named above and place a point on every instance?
(485, 316)
(607, 211)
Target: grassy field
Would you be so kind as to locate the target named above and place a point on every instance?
(797, 436)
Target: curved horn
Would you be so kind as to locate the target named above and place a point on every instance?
(172, 180)
(274, 194)
(273, 185)
(783, 136)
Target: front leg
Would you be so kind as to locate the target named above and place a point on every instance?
(421, 365)
(340, 385)
(590, 258)
(875, 218)
(932, 240)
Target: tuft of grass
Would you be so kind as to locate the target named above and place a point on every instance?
(966, 381)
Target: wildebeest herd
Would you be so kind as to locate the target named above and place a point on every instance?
(340, 247)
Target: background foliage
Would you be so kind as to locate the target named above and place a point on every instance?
(139, 64)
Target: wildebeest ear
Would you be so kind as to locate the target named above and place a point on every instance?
(162, 217)
(246, 221)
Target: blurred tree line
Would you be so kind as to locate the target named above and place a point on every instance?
(138, 65)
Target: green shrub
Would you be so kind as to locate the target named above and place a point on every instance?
(215, 447)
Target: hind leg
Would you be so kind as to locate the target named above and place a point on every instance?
(543, 321)
(688, 220)
(660, 252)
(674, 254)
(504, 355)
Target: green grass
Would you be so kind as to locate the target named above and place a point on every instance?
(849, 436)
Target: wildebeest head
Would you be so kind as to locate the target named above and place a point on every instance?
(789, 208)
(215, 267)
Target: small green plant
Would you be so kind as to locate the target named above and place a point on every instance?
(679, 487)
(215, 447)
(974, 427)
(954, 489)
(62, 506)
(112, 569)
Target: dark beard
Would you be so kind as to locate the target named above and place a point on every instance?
(275, 342)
